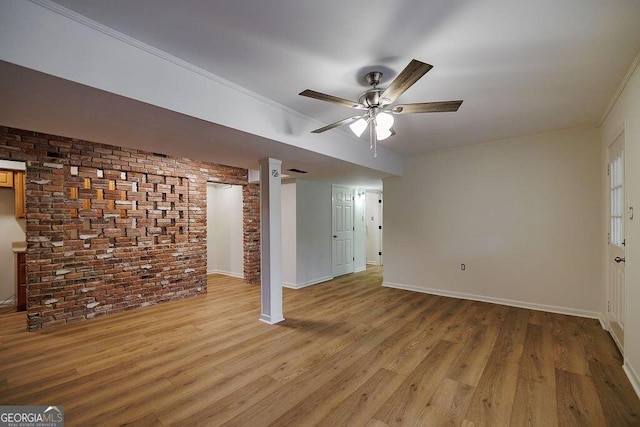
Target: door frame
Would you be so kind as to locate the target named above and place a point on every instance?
(351, 192)
(378, 259)
(620, 133)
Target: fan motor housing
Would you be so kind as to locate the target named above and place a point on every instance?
(371, 98)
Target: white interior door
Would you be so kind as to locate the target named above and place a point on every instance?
(373, 207)
(615, 248)
(342, 223)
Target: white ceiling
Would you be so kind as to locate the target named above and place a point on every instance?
(522, 67)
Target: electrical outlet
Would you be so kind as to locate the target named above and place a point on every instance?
(463, 267)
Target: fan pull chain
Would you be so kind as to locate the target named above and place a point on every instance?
(373, 137)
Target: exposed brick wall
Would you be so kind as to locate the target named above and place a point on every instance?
(111, 229)
(251, 232)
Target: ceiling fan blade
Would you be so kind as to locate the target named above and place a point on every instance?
(330, 98)
(427, 107)
(346, 121)
(406, 79)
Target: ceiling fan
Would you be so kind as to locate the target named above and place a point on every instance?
(376, 103)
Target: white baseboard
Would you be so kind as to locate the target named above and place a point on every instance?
(9, 301)
(358, 270)
(616, 341)
(633, 376)
(272, 319)
(226, 273)
(603, 322)
(307, 283)
(501, 301)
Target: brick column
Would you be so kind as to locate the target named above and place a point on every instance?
(251, 232)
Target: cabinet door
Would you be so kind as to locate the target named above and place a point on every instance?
(19, 186)
(6, 178)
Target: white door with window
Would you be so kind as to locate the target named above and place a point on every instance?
(615, 248)
(342, 224)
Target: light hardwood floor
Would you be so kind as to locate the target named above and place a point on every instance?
(350, 353)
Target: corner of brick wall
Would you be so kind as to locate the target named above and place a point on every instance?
(251, 232)
(111, 229)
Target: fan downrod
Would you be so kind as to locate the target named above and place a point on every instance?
(373, 78)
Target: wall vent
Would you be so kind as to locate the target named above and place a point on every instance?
(296, 170)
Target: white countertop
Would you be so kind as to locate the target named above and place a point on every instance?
(19, 247)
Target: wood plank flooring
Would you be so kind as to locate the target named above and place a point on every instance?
(350, 353)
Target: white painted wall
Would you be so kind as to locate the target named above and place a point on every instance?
(307, 230)
(313, 232)
(224, 230)
(11, 230)
(211, 232)
(524, 215)
(359, 233)
(289, 239)
(626, 112)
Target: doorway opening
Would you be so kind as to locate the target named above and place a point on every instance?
(225, 251)
(13, 228)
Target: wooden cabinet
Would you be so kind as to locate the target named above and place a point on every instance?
(15, 179)
(19, 187)
(6, 179)
(21, 269)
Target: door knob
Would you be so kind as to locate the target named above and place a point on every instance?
(335, 237)
(618, 259)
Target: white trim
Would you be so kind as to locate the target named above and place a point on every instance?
(515, 139)
(611, 139)
(512, 303)
(615, 338)
(633, 376)
(226, 273)
(603, 322)
(307, 283)
(358, 270)
(110, 32)
(13, 165)
(621, 86)
(271, 320)
(87, 22)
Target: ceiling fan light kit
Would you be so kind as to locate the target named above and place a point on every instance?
(359, 126)
(384, 120)
(377, 103)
